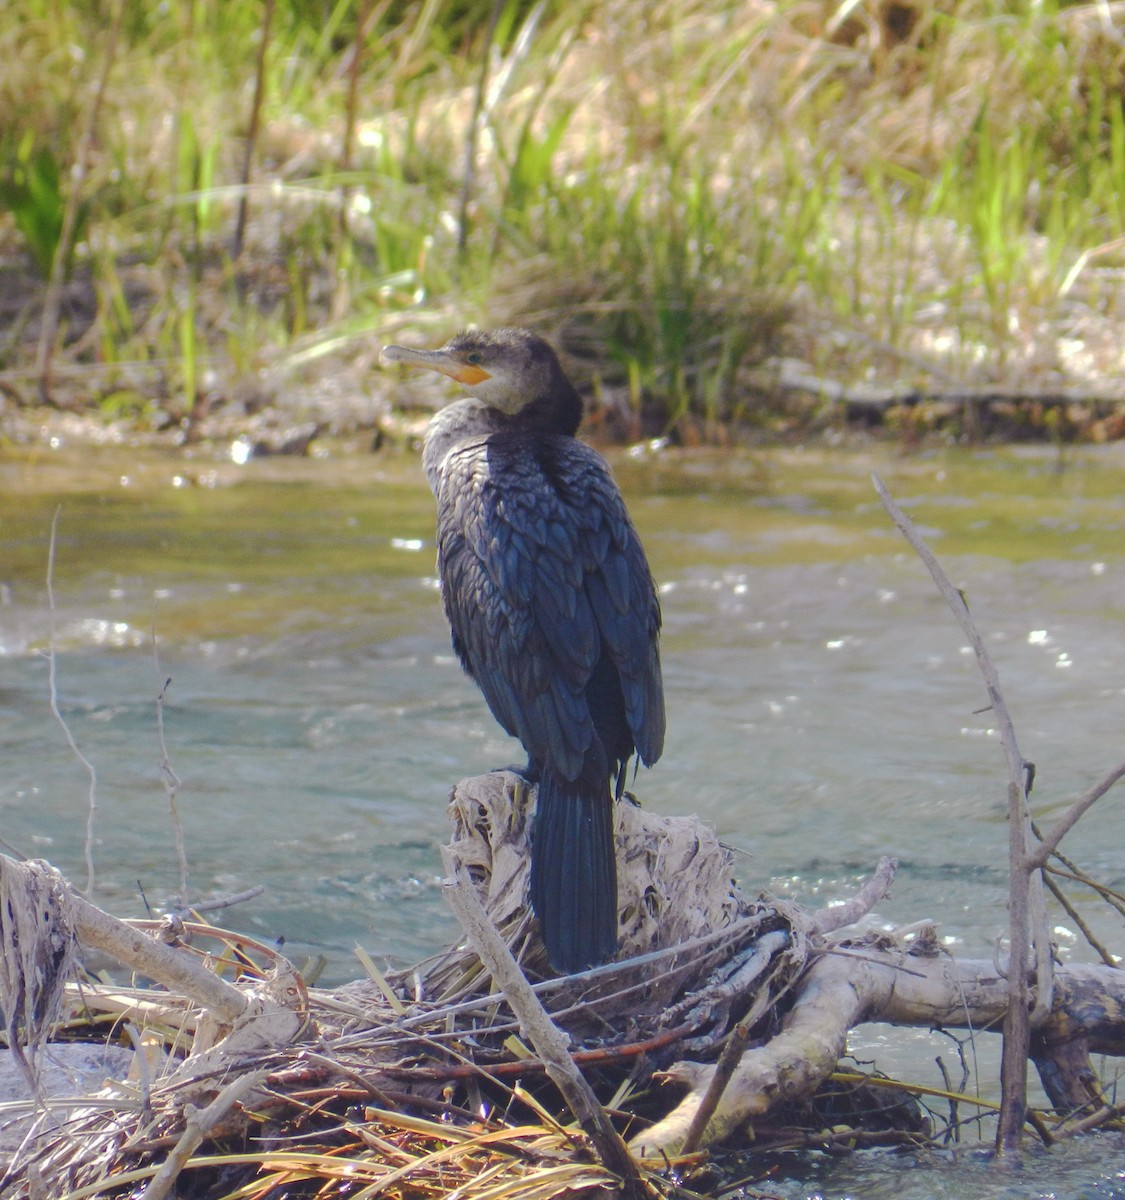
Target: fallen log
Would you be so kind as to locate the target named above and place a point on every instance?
(847, 985)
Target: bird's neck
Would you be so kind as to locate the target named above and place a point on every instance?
(559, 411)
(471, 420)
(452, 427)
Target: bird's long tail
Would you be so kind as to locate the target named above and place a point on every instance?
(574, 872)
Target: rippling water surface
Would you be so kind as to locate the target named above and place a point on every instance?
(824, 708)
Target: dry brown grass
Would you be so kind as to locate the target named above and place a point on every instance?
(892, 192)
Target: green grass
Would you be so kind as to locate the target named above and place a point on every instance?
(677, 191)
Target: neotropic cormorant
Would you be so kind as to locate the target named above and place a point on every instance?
(553, 612)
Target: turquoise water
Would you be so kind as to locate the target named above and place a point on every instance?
(823, 707)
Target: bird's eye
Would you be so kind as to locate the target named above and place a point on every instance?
(474, 358)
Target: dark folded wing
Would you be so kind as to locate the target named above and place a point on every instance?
(542, 573)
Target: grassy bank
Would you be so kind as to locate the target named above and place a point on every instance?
(688, 196)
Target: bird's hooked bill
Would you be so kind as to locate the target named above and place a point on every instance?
(435, 360)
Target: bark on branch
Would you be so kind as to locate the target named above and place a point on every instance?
(842, 990)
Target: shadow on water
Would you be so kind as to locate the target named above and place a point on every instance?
(823, 707)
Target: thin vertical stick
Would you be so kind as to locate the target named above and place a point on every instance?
(252, 132)
(53, 693)
(49, 323)
(171, 780)
(1022, 903)
(724, 1070)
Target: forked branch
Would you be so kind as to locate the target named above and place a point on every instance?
(1025, 883)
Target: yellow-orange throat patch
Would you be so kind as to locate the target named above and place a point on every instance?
(469, 375)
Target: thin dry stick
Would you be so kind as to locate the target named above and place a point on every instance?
(366, 15)
(1044, 995)
(11, 851)
(177, 970)
(1071, 1129)
(197, 1124)
(170, 779)
(1069, 869)
(53, 693)
(140, 1061)
(721, 1077)
(536, 1025)
(1073, 874)
(351, 102)
(252, 132)
(732, 933)
(1049, 844)
(1021, 905)
(203, 906)
(1084, 929)
(49, 323)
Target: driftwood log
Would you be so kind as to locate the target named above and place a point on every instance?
(741, 1004)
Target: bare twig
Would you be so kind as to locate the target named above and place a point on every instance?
(53, 692)
(724, 1069)
(170, 779)
(49, 324)
(1074, 874)
(175, 969)
(198, 1123)
(202, 906)
(11, 851)
(368, 12)
(1073, 913)
(549, 1041)
(839, 916)
(1024, 881)
(956, 602)
(1050, 843)
(363, 18)
(1039, 924)
(733, 934)
(1073, 1128)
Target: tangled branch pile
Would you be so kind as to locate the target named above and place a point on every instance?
(243, 1082)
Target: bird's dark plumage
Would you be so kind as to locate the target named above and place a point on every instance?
(553, 612)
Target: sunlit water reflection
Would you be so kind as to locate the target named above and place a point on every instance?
(824, 708)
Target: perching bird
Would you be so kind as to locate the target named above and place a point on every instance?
(553, 612)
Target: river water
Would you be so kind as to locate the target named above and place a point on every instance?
(824, 708)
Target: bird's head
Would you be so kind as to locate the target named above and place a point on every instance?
(507, 369)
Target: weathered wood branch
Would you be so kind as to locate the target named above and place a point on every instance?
(848, 986)
(1049, 843)
(51, 928)
(840, 916)
(549, 1041)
